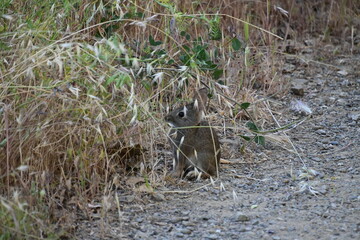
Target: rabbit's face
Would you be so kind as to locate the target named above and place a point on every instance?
(188, 115)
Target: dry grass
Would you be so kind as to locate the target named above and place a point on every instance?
(85, 86)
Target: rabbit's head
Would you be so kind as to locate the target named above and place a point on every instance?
(190, 114)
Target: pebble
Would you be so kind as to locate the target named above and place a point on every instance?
(354, 198)
(321, 132)
(189, 224)
(354, 116)
(316, 159)
(323, 189)
(205, 218)
(178, 219)
(158, 197)
(186, 231)
(179, 235)
(297, 90)
(212, 236)
(342, 72)
(242, 229)
(240, 217)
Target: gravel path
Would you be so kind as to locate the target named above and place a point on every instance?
(274, 197)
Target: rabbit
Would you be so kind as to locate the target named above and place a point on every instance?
(194, 142)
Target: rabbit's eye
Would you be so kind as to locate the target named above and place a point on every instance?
(181, 114)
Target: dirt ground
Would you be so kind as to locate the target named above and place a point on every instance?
(274, 197)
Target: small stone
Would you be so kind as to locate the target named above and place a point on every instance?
(345, 82)
(176, 220)
(186, 231)
(205, 218)
(321, 132)
(242, 229)
(297, 90)
(240, 217)
(158, 197)
(248, 228)
(189, 224)
(177, 234)
(291, 229)
(354, 116)
(298, 86)
(354, 198)
(212, 236)
(342, 73)
(323, 189)
(316, 159)
(288, 68)
(141, 235)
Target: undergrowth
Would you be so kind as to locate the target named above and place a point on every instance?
(85, 86)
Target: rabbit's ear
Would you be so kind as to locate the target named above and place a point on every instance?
(200, 99)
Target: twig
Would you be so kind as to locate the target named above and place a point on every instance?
(250, 178)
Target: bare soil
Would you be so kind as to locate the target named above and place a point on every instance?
(272, 196)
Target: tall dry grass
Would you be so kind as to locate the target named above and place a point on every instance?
(85, 86)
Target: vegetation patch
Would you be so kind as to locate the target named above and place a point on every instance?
(85, 86)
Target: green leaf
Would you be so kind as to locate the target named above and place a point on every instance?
(236, 44)
(221, 82)
(119, 79)
(217, 73)
(167, 4)
(3, 142)
(146, 85)
(153, 42)
(140, 14)
(110, 79)
(260, 140)
(242, 149)
(186, 47)
(246, 138)
(252, 126)
(246, 29)
(202, 55)
(215, 28)
(160, 52)
(185, 59)
(244, 105)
